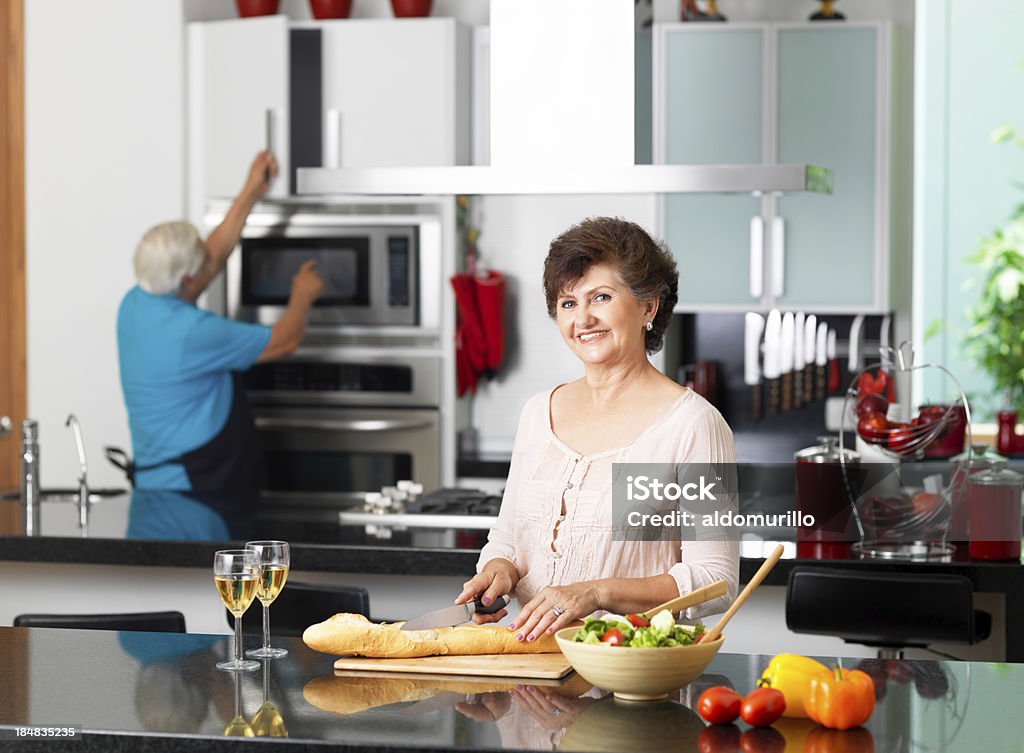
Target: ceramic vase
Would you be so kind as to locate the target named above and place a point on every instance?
(323, 9)
(411, 8)
(250, 8)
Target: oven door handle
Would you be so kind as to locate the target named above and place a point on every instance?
(357, 424)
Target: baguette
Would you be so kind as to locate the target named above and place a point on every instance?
(354, 635)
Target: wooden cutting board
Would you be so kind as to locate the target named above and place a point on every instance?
(532, 666)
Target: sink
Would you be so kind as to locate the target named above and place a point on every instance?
(69, 495)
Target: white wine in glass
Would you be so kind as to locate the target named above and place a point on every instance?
(274, 559)
(236, 576)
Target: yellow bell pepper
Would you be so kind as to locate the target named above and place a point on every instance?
(791, 674)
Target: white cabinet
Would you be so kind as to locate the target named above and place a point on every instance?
(778, 94)
(395, 93)
(391, 92)
(238, 89)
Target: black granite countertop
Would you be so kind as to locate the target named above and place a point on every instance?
(158, 692)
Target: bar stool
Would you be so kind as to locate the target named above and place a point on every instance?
(300, 605)
(888, 611)
(157, 622)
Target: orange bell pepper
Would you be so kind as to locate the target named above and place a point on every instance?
(840, 698)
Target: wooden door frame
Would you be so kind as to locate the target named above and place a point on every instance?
(13, 390)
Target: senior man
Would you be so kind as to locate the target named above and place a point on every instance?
(181, 365)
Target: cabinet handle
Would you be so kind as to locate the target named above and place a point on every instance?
(268, 130)
(362, 425)
(778, 256)
(756, 257)
(333, 155)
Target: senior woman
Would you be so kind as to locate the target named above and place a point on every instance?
(610, 288)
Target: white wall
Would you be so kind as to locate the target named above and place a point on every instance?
(104, 161)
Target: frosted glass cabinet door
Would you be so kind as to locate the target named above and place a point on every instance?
(238, 72)
(711, 89)
(828, 115)
(390, 93)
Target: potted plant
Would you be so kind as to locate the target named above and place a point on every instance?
(995, 334)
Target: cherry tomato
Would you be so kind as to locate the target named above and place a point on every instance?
(762, 707)
(719, 738)
(638, 620)
(612, 636)
(719, 705)
(762, 740)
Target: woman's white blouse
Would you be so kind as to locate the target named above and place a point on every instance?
(544, 470)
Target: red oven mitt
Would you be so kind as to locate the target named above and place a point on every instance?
(490, 298)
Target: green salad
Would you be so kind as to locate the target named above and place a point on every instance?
(615, 630)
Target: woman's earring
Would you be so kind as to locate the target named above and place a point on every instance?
(649, 326)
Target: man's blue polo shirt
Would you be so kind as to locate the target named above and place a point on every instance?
(176, 363)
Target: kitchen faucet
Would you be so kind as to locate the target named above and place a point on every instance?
(83, 486)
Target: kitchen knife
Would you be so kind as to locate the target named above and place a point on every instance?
(752, 330)
(833, 363)
(799, 358)
(786, 359)
(454, 615)
(772, 336)
(810, 355)
(856, 344)
(821, 359)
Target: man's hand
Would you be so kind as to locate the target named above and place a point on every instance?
(262, 170)
(307, 285)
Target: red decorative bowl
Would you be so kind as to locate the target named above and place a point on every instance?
(250, 8)
(323, 9)
(411, 8)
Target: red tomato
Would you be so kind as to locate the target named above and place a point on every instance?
(719, 705)
(638, 620)
(873, 428)
(762, 707)
(870, 384)
(612, 636)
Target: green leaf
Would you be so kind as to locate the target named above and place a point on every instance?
(936, 326)
(1002, 134)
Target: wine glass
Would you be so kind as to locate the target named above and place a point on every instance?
(273, 558)
(236, 575)
(238, 727)
(268, 722)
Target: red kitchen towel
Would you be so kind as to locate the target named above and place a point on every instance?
(490, 298)
(480, 333)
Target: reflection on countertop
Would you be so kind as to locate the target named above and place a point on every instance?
(163, 692)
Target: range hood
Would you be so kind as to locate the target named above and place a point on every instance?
(562, 119)
(488, 180)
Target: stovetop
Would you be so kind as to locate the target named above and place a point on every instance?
(455, 502)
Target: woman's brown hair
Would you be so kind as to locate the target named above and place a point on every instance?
(645, 266)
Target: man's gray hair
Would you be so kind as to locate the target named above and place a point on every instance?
(165, 254)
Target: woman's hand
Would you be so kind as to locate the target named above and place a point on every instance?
(549, 710)
(489, 707)
(262, 170)
(496, 579)
(554, 608)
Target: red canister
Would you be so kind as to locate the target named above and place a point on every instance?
(995, 508)
(821, 492)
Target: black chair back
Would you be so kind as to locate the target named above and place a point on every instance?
(884, 609)
(157, 622)
(300, 605)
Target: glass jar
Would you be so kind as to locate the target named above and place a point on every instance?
(995, 513)
(821, 493)
(979, 458)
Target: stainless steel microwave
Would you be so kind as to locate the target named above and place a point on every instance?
(371, 264)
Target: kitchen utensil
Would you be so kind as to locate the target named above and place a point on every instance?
(455, 615)
(786, 342)
(856, 344)
(833, 363)
(800, 350)
(637, 674)
(753, 328)
(820, 360)
(549, 666)
(766, 567)
(699, 596)
(772, 337)
(810, 355)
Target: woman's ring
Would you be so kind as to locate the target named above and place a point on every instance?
(558, 611)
